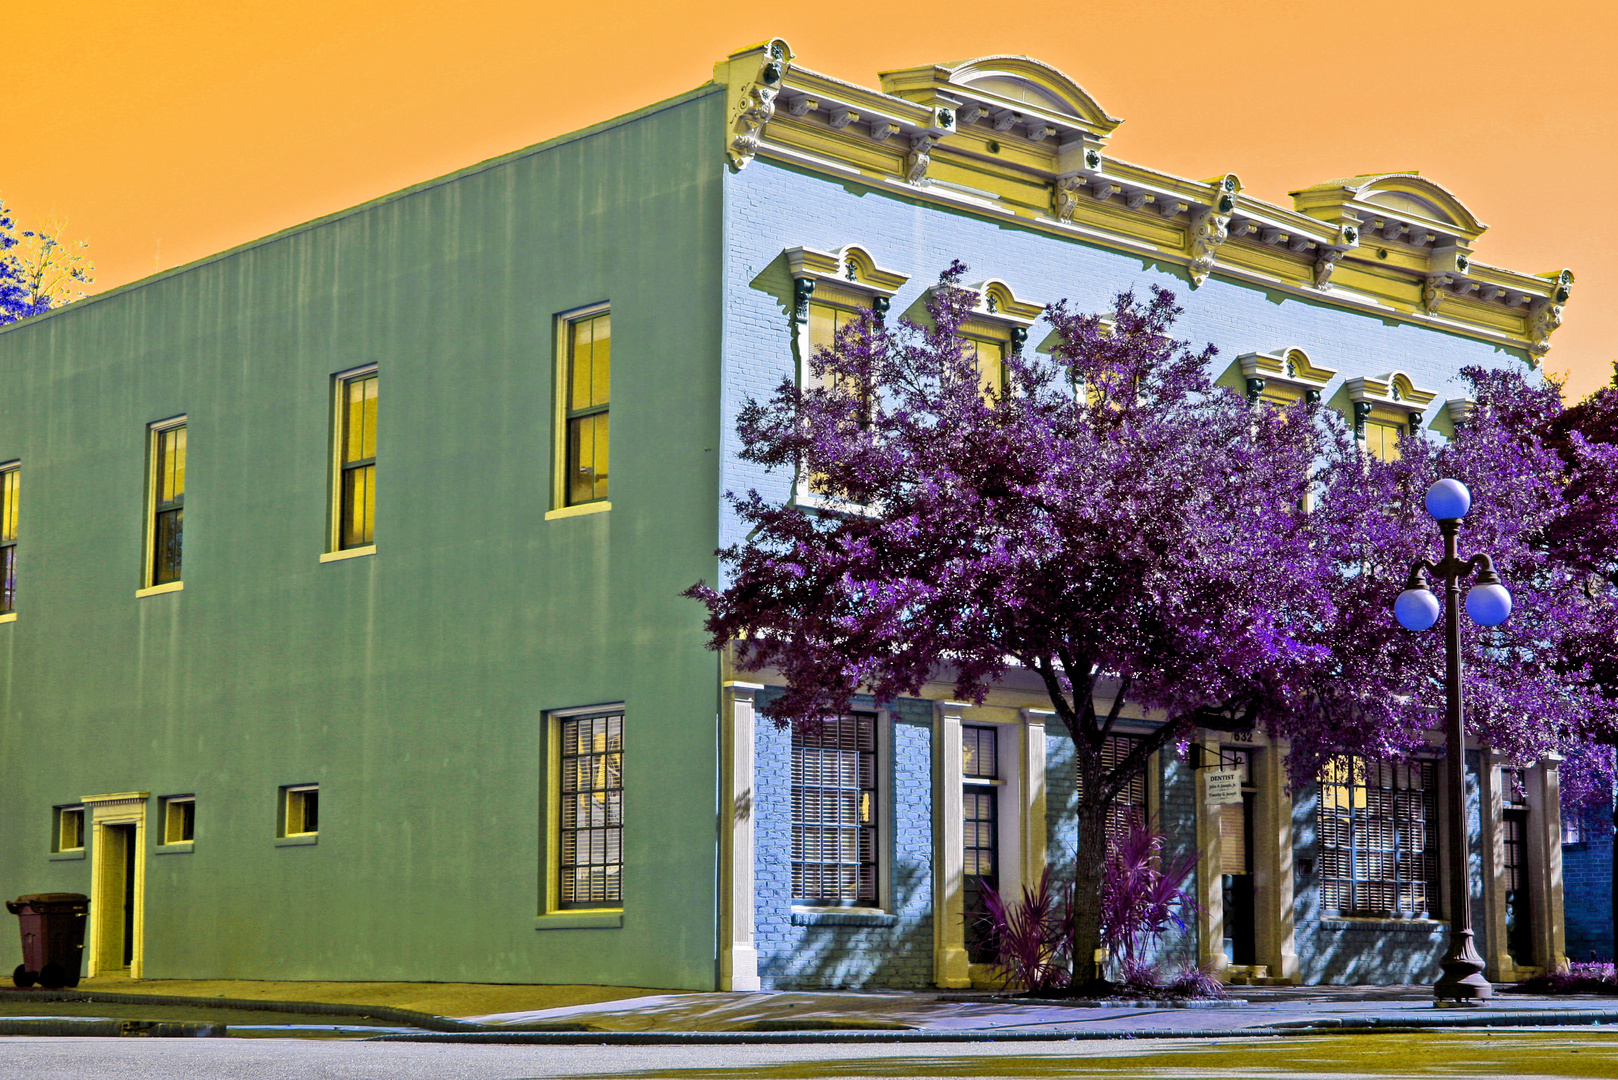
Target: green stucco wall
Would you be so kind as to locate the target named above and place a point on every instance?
(410, 685)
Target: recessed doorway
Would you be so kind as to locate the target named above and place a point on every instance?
(117, 885)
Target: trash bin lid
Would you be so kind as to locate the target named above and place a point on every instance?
(53, 898)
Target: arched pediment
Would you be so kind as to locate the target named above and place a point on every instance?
(1414, 194)
(1019, 83)
(1402, 196)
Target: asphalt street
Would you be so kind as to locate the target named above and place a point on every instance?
(1546, 1053)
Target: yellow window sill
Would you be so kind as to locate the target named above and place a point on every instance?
(158, 590)
(582, 919)
(10, 616)
(302, 839)
(575, 511)
(348, 553)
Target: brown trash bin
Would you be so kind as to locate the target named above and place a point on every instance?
(52, 938)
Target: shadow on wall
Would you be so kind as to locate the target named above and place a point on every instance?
(855, 951)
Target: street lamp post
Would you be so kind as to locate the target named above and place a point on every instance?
(1489, 604)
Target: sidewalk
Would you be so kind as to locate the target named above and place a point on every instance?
(477, 1012)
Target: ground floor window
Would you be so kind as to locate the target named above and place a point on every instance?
(1378, 827)
(591, 829)
(834, 852)
(1129, 808)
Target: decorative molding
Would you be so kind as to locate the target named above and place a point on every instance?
(1545, 315)
(1065, 197)
(1544, 319)
(1434, 292)
(754, 78)
(1287, 370)
(1325, 263)
(1394, 396)
(1460, 411)
(848, 275)
(918, 160)
(1324, 226)
(997, 304)
(882, 130)
(1209, 227)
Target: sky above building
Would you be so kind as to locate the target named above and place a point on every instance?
(165, 130)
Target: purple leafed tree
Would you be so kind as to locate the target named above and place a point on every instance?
(1585, 538)
(1109, 524)
(1377, 689)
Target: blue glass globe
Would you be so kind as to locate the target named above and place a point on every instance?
(1416, 609)
(1489, 605)
(1448, 500)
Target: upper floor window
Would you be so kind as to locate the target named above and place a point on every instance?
(1387, 408)
(166, 503)
(356, 460)
(10, 484)
(587, 396)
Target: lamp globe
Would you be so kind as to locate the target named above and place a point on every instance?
(1416, 609)
(1448, 500)
(1489, 605)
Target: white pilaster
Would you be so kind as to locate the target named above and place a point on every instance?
(1032, 797)
(1272, 851)
(950, 968)
(1545, 863)
(738, 954)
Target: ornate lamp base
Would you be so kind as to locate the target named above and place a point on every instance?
(1462, 981)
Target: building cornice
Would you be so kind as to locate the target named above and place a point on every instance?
(1012, 138)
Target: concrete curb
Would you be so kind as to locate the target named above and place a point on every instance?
(56, 1027)
(1383, 1025)
(402, 1017)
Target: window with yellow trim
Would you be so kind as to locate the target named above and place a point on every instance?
(990, 354)
(67, 832)
(356, 460)
(590, 826)
(166, 505)
(300, 810)
(1382, 438)
(179, 819)
(587, 389)
(10, 485)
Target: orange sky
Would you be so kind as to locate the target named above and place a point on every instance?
(169, 129)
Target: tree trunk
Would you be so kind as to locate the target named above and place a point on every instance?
(1089, 877)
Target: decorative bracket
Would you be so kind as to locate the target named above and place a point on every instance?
(1362, 413)
(918, 160)
(1325, 263)
(1545, 316)
(1210, 227)
(1433, 292)
(754, 77)
(1065, 196)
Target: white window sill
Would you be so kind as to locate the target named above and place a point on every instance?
(179, 847)
(576, 511)
(158, 590)
(348, 553)
(298, 840)
(74, 853)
